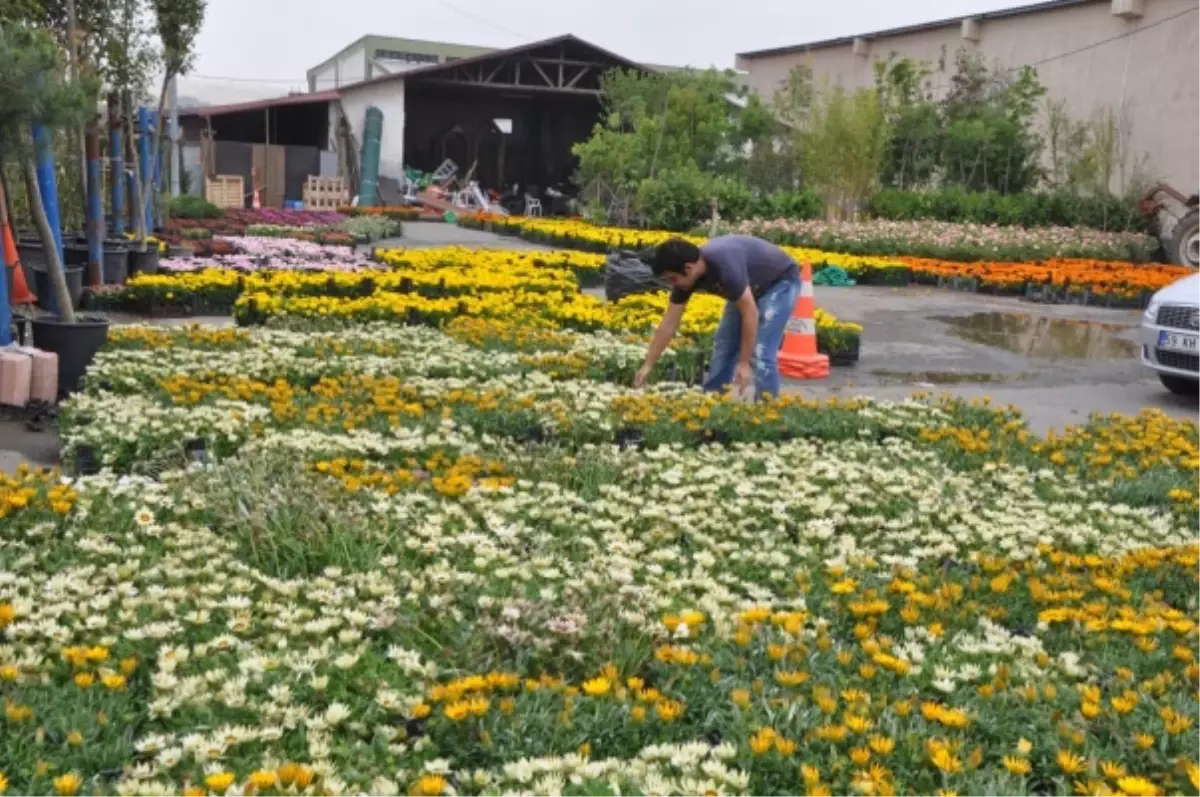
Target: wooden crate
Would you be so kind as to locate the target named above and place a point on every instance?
(226, 191)
(325, 193)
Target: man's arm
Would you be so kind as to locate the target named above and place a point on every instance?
(658, 344)
(749, 311)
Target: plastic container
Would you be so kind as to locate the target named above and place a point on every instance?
(44, 288)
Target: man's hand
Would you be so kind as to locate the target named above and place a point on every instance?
(643, 373)
(742, 378)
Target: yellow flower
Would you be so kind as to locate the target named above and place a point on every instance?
(668, 710)
(3, 783)
(1137, 787)
(860, 755)
(1024, 746)
(1070, 763)
(263, 778)
(428, 786)
(946, 761)
(1143, 740)
(637, 713)
(1113, 770)
(785, 747)
(220, 781)
(1017, 765)
(740, 697)
(762, 742)
(882, 745)
(597, 687)
(84, 679)
(810, 774)
(75, 739)
(68, 783)
(112, 681)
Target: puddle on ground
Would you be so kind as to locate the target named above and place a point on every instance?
(942, 377)
(1042, 337)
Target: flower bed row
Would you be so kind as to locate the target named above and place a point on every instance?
(431, 286)
(1052, 279)
(950, 241)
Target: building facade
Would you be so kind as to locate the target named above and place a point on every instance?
(1136, 59)
(371, 56)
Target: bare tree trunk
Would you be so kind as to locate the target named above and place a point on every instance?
(148, 177)
(6, 194)
(73, 62)
(139, 207)
(62, 296)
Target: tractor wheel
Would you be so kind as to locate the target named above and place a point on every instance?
(1184, 248)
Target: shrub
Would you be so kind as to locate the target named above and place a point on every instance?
(1029, 209)
(193, 207)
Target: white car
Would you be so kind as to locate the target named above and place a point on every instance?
(1171, 335)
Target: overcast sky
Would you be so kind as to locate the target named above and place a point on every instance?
(269, 44)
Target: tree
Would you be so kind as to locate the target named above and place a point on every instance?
(988, 138)
(676, 129)
(177, 23)
(840, 145)
(34, 88)
(911, 158)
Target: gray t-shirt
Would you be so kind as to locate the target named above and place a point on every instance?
(735, 262)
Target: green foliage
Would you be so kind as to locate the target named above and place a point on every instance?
(178, 24)
(666, 142)
(841, 144)
(34, 88)
(193, 207)
(1028, 209)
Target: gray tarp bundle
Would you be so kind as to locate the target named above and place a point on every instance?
(626, 273)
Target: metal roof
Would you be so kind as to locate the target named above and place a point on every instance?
(1047, 5)
(260, 105)
(429, 69)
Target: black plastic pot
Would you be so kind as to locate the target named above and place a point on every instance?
(44, 288)
(143, 262)
(116, 262)
(75, 254)
(75, 344)
(32, 256)
(848, 356)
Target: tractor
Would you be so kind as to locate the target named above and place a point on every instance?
(1178, 223)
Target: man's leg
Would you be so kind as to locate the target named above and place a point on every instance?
(774, 309)
(726, 342)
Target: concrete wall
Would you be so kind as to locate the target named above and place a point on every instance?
(1149, 78)
(323, 78)
(352, 67)
(387, 96)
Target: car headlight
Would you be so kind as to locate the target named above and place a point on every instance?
(1151, 313)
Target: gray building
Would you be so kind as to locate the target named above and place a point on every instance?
(1138, 59)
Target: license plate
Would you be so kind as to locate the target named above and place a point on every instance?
(1179, 341)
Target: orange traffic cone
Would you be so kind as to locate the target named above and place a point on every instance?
(21, 292)
(799, 358)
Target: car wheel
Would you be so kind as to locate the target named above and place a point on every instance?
(1185, 241)
(1180, 385)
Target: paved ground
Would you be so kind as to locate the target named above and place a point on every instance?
(1058, 364)
(432, 233)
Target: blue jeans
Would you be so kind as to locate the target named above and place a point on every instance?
(774, 309)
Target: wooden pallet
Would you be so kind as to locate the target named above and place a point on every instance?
(226, 191)
(325, 193)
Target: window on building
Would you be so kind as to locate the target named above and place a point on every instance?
(406, 57)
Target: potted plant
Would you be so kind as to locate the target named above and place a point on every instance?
(37, 96)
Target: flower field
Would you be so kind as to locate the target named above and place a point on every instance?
(394, 559)
(1109, 281)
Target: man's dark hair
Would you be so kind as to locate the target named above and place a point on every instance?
(671, 255)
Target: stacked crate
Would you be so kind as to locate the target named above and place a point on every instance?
(226, 191)
(325, 193)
